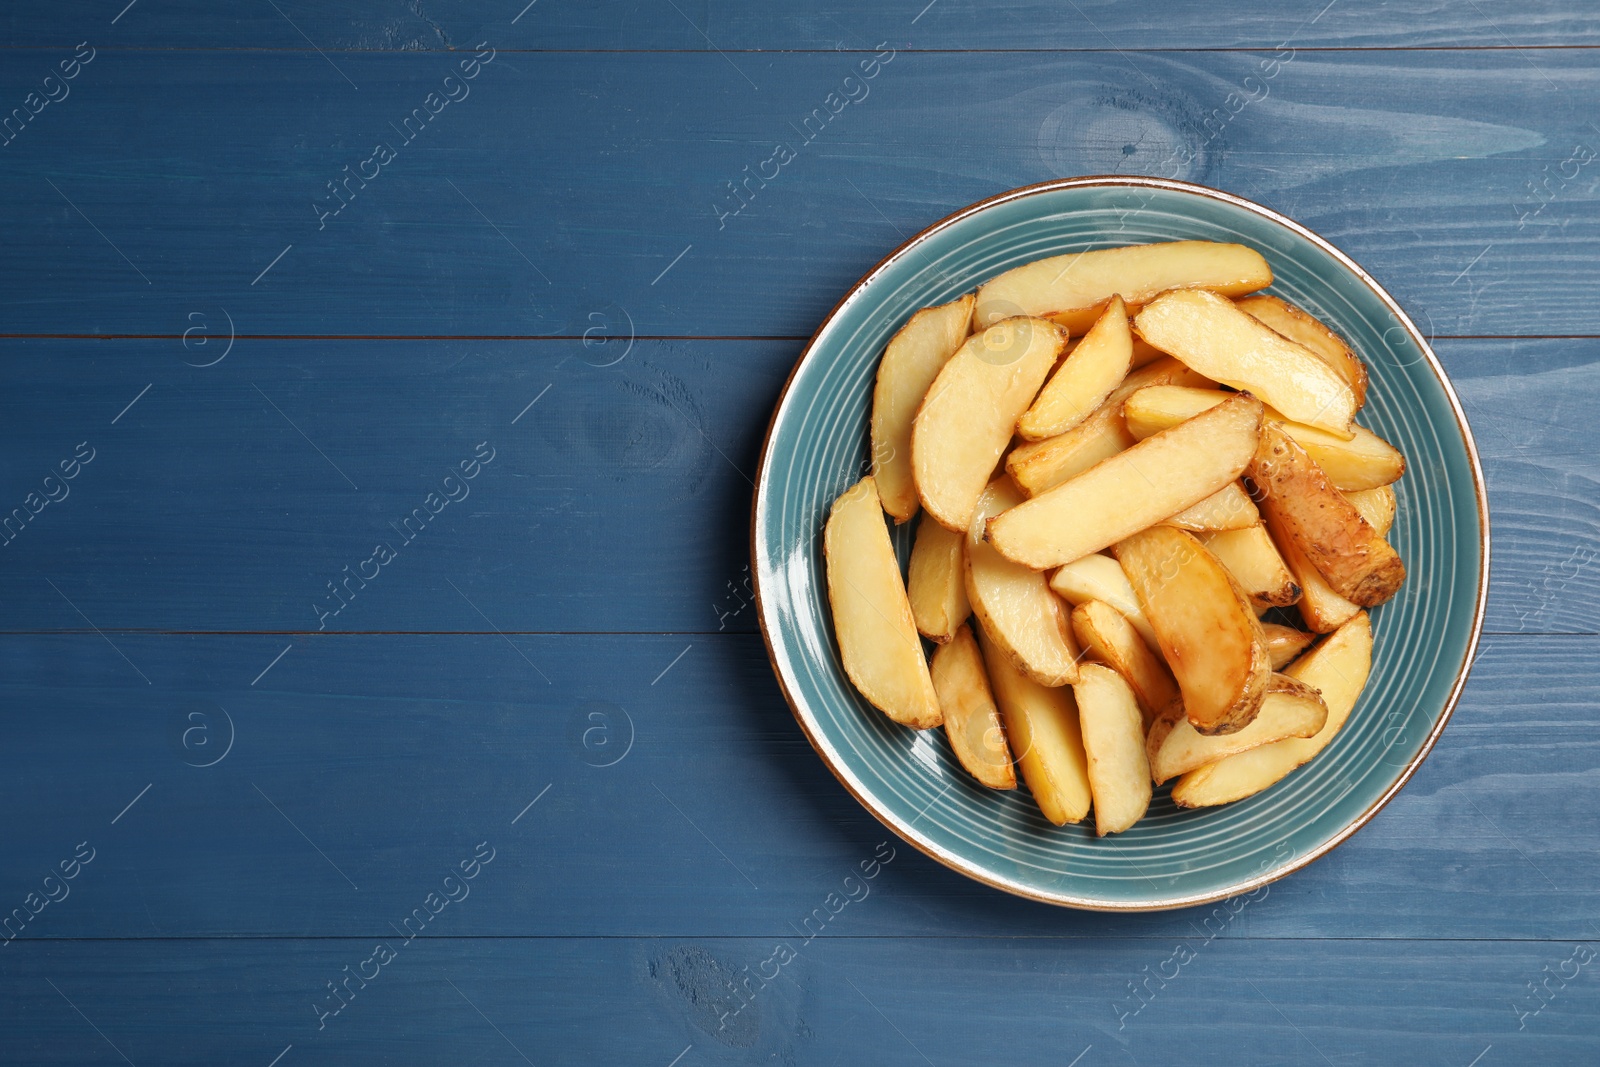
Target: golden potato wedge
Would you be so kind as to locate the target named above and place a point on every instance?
(1284, 643)
(1377, 506)
(1039, 465)
(965, 422)
(1322, 609)
(1210, 638)
(1099, 577)
(1113, 739)
(1354, 558)
(1157, 477)
(1073, 288)
(1214, 337)
(937, 583)
(1290, 709)
(1015, 604)
(1083, 381)
(1297, 325)
(1105, 633)
(1144, 354)
(1229, 508)
(1253, 560)
(1365, 461)
(872, 620)
(1042, 728)
(1338, 669)
(910, 363)
(971, 720)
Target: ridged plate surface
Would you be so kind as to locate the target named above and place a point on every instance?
(1425, 637)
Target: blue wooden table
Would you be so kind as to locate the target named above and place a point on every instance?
(381, 388)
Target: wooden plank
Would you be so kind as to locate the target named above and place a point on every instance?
(392, 25)
(619, 501)
(671, 793)
(846, 1000)
(570, 185)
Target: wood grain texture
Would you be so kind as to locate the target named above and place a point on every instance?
(618, 502)
(682, 798)
(398, 25)
(839, 1000)
(567, 185)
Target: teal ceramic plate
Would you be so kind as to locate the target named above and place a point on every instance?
(1425, 637)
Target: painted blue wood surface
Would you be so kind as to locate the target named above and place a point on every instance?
(618, 502)
(561, 664)
(563, 187)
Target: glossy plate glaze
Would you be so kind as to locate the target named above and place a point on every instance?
(1425, 638)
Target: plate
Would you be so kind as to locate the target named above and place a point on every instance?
(1425, 637)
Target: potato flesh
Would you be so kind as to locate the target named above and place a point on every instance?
(1040, 465)
(1377, 506)
(1099, 577)
(1357, 562)
(1113, 740)
(1083, 381)
(1365, 461)
(1157, 477)
(1290, 709)
(937, 583)
(1042, 728)
(1073, 288)
(1106, 634)
(1015, 604)
(966, 420)
(1284, 643)
(1297, 325)
(971, 719)
(1253, 560)
(1210, 639)
(1229, 508)
(909, 366)
(1212, 336)
(872, 620)
(1338, 669)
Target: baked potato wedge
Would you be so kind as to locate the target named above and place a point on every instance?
(1365, 461)
(1284, 643)
(1337, 668)
(1042, 729)
(1253, 560)
(1212, 336)
(971, 720)
(877, 636)
(1377, 506)
(1321, 608)
(1108, 636)
(965, 422)
(1290, 709)
(1113, 740)
(1209, 636)
(1099, 577)
(1357, 562)
(910, 363)
(1157, 477)
(1014, 604)
(1074, 288)
(1083, 381)
(937, 582)
(1039, 465)
(1307, 329)
(1229, 508)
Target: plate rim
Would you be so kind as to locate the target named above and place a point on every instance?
(759, 558)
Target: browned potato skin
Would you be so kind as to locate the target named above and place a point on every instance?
(971, 718)
(1354, 558)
